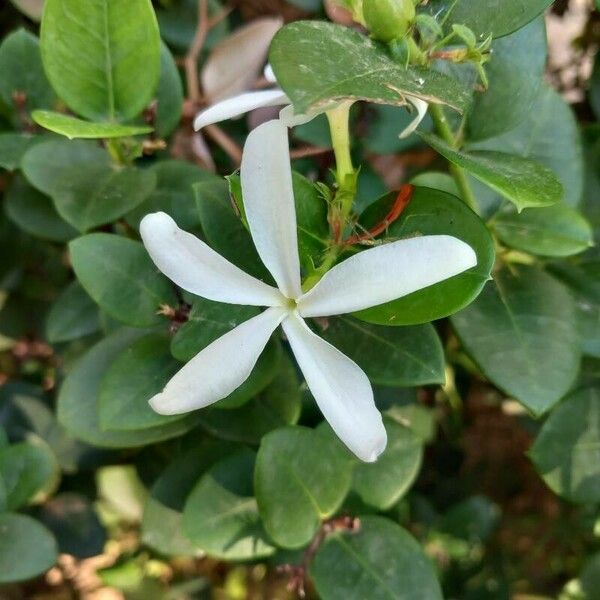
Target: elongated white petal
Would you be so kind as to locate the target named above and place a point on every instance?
(290, 119)
(220, 368)
(421, 107)
(341, 389)
(238, 105)
(269, 203)
(197, 268)
(385, 273)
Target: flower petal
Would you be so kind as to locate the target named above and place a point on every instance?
(197, 268)
(220, 368)
(341, 389)
(238, 105)
(385, 273)
(269, 203)
(421, 107)
(290, 119)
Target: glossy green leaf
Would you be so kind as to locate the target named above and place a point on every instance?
(566, 452)
(35, 214)
(207, 322)
(394, 356)
(73, 128)
(22, 72)
(77, 401)
(169, 94)
(549, 135)
(500, 18)
(174, 193)
(522, 332)
(302, 477)
(525, 182)
(221, 515)
(73, 315)
(433, 212)
(383, 483)
(317, 62)
(224, 230)
(515, 74)
(102, 57)
(138, 373)
(27, 548)
(25, 470)
(277, 405)
(13, 147)
(380, 562)
(119, 275)
(550, 231)
(163, 510)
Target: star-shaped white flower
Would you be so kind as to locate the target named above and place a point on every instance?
(371, 277)
(243, 103)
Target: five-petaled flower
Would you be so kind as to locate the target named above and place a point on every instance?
(243, 103)
(368, 278)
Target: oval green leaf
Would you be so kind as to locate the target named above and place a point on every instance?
(102, 57)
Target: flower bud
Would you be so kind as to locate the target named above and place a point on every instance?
(388, 19)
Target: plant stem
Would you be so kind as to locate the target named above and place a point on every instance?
(459, 175)
(338, 118)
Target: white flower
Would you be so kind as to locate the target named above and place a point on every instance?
(371, 277)
(243, 103)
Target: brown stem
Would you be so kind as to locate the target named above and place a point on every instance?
(227, 144)
(298, 574)
(191, 58)
(305, 151)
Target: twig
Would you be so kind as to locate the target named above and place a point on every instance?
(191, 58)
(227, 144)
(298, 573)
(305, 151)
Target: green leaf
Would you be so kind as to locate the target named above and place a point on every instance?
(317, 62)
(77, 401)
(383, 483)
(504, 17)
(73, 128)
(13, 147)
(73, 521)
(163, 511)
(34, 213)
(515, 74)
(119, 275)
(557, 230)
(393, 356)
(221, 515)
(174, 193)
(25, 470)
(138, 373)
(22, 72)
(112, 51)
(380, 562)
(86, 188)
(169, 94)
(566, 452)
(522, 332)
(207, 322)
(433, 212)
(224, 230)
(73, 315)
(525, 182)
(27, 548)
(302, 477)
(549, 135)
(277, 405)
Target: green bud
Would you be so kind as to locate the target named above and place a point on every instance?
(388, 19)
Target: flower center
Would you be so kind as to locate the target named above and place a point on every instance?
(291, 304)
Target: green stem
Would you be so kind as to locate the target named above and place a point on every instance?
(459, 174)
(339, 118)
